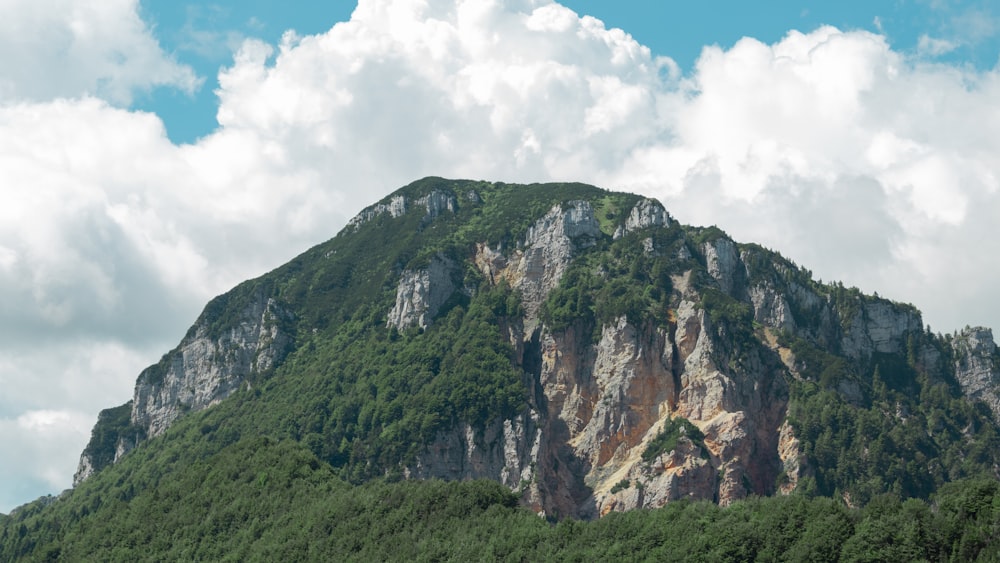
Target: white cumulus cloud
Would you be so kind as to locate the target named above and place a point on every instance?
(69, 47)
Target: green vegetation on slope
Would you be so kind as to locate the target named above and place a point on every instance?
(616, 278)
(193, 496)
(889, 423)
(666, 439)
(908, 444)
(370, 398)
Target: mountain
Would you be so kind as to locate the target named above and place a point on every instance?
(579, 347)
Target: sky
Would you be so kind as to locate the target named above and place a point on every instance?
(155, 153)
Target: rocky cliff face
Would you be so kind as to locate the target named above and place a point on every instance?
(207, 368)
(647, 213)
(421, 293)
(599, 404)
(204, 369)
(434, 203)
(535, 267)
(977, 366)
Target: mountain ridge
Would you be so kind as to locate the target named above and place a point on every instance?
(466, 356)
(599, 301)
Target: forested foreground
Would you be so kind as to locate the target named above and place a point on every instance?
(265, 500)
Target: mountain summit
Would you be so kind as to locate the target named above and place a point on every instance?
(578, 346)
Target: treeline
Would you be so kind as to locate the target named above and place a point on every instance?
(266, 500)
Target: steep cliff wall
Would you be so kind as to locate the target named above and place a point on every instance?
(603, 395)
(209, 365)
(207, 368)
(535, 267)
(601, 401)
(977, 366)
(421, 293)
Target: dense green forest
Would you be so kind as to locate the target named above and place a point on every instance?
(265, 500)
(306, 461)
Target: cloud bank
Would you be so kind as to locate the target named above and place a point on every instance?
(862, 163)
(70, 48)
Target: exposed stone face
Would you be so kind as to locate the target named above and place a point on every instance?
(395, 208)
(789, 452)
(879, 327)
(536, 267)
(684, 472)
(602, 402)
(723, 263)
(506, 450)
(632, 389)
(204, 370)
(434, 203)
(646, 213)
(977, 366)
(770, 308)
(421, 293)
(83, 470)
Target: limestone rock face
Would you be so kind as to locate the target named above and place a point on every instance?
(204, 369)
(646, 213)
(770, 308)
(434, 203)
(207, 368)
(977, 366)
(723, 262)
(789, 452)
(601, 402)
(631, 377)
(879, 327)
(506, 451)
(684, 472)
(421, 293)
(536, 267)
(83, 470)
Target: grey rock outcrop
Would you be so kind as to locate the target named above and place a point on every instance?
(421, 293)
(977, 366)
(633, 384)
(84, 469)
(207, 368)
(204, 369)
(723, 263)
(684, 472)
(603, 402)
(505, 450)
(536, 267)
(433, 203)
(770, 308)
(646, 213)
(879, 326)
